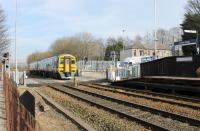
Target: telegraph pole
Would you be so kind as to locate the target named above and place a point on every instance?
(16, 15)
(155, 26)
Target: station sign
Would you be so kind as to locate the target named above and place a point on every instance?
(184, 59)
(187, 42)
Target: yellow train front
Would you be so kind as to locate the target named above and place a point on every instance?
(66, 66)
(62, 67)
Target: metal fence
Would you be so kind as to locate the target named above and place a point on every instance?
(18, 118)
(21, 77)
(97, 66)
(182, 66)
(125, 72)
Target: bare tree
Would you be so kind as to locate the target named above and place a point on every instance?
(4, 40)
(176, 34)
(138, 39)
(148, 38)
(193, 7)
(38, 56)
(164, 36)
(81, 45)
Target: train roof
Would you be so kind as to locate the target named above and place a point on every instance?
(61, 55)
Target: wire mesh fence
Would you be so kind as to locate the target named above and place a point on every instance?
(114, 70)
(21, 77)
(128, 72)
(96, 66)
(124, 72)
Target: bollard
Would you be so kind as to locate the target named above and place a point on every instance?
(24, 78)
(76, 81)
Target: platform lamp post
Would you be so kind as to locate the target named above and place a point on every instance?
(123, 31)
(123, 52)
(197, 39)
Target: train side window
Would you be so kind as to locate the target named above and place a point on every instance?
(61, 61)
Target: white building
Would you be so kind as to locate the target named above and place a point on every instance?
(139, 49)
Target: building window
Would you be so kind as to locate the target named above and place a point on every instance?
(134, 53)
(141, 52)
(149, 53)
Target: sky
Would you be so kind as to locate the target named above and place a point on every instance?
(40, 22)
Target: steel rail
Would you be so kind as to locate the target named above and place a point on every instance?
(144, 96)
(175, 116)
(120, 112)
(179, 97)
(81, 124)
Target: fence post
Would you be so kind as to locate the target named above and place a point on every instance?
(24, 78)
(18, 115)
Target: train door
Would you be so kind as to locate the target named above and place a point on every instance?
(67, 65)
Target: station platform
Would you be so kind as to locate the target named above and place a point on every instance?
(2, 108)
(173, 83)
(190, 81)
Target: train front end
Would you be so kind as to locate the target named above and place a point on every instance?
(67, 66)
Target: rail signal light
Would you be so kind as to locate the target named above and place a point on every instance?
(6, 60)
(6, 55)
(3, 61)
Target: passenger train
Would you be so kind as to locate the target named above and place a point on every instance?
(61, 67)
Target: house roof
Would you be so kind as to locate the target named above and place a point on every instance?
(159, 46)
(137, 46)
(149, 46)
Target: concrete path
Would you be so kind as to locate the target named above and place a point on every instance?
(2, 109)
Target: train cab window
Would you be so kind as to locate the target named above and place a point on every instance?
(61, 61)
(67, 61)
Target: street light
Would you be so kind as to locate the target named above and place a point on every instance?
(123, 54)
(197, 39)
(124, 39)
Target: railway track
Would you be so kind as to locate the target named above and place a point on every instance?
(174, 100)
(149, 117)
(81, 124)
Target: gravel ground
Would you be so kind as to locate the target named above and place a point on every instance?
(53, 121)
(149, 95)
(98, 118)
(144, 115)
(156, 104)
(50, 119)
